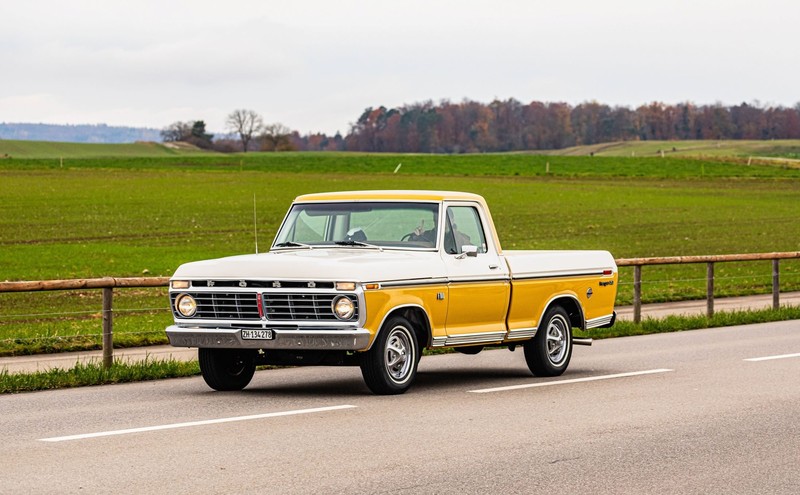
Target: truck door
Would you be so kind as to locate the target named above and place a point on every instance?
(479, 287)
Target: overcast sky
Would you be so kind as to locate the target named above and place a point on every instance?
(315, 65)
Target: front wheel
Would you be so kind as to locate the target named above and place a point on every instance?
(390, 366)
(549, 352)
(227, 369)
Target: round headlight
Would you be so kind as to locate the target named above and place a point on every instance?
(186, 305)
(343, 308)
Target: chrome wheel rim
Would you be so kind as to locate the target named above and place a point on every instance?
(398, 354)
(557, 339)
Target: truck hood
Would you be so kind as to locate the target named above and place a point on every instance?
(323, 264)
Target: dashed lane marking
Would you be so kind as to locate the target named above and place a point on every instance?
(566, 382)
(173, 426)
(770, 358)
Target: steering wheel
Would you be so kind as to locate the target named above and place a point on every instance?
(407, 236)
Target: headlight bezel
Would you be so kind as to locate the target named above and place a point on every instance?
(347, 304)
(190, 301)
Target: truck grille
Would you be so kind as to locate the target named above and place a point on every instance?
(302, 306)
(277, 306)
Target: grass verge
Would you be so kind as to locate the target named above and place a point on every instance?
(681, 323)
(95, 374)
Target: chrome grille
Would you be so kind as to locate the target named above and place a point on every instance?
(224, 305)
(290, 306)
(300, 306)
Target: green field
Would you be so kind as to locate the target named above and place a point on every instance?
(134, 216)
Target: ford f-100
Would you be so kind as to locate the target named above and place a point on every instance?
(371, 278)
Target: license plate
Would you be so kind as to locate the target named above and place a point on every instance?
(257, 334)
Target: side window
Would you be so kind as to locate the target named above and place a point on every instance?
(463, 228)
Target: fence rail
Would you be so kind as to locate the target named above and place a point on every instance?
(108, 284)
(710, 260)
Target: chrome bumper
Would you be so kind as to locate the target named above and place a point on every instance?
(354, 339)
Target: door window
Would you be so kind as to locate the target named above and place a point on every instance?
(463, 228)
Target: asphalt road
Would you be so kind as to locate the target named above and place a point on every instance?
(673, 413)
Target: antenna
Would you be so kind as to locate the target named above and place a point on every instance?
(255, 221)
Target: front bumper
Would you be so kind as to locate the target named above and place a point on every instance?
(354, 339)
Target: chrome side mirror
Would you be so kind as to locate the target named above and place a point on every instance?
(469, 250)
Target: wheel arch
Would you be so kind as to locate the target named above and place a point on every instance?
(417, 316)
(571, 305)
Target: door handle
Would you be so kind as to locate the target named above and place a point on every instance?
(494, 267)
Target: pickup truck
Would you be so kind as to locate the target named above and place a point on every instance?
(370, 278)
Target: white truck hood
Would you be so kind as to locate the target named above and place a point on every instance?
(338, 264)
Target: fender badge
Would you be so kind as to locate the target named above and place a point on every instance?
(589, 293)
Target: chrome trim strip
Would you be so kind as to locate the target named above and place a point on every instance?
(243, 323)
(438, 281)
(471, 280)
(599, 322)
(555, 275)
(522, 333)
(468, 338)
(410, 283)
(352, 339)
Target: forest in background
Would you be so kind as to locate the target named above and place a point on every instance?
(474, 127)
(454, 128)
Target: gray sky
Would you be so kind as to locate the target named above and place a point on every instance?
(316, 65)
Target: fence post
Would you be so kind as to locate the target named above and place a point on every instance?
(108, 328)
(637, 294)
(776, 285)
(710, 290)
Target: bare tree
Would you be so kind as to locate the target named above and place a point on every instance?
(275, 138)
(177, 131)
(246, 123)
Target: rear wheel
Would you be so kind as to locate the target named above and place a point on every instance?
(549, 352)
(227, 369)
(390, 366)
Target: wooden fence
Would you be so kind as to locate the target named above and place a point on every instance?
(108, 284)
(638, 263)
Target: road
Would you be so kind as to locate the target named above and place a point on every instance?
(671, 413)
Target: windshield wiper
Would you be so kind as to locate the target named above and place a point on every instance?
(357, 243)
(293, 244)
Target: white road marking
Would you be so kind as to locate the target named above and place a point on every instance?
(769, 358)
(565, 382)
(193, 423)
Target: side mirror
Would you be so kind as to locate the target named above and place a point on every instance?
(469, 250)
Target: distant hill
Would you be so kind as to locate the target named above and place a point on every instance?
(778, 148)
(10, 149)
(99, 133)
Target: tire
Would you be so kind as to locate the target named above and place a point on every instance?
(227, 369)
(390, 366)
(548, 353)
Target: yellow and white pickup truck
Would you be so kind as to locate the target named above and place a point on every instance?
(370, 278)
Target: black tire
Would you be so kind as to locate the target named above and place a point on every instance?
(549, 352)
(227, 369)
(390, 366)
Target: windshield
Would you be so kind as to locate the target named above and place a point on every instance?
(383, 224)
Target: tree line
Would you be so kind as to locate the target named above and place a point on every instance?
(509, 125)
